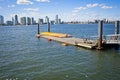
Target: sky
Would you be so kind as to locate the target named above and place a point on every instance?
(67, 10)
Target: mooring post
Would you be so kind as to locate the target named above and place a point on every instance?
(38, 28)
(100, 32)
(38, 31)
(116, 27)
(48, 27)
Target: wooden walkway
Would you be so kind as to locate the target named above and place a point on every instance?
(73, 41)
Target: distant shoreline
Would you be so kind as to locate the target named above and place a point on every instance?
(54, 24)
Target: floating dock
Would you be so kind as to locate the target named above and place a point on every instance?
(108, 41)
(69, 40)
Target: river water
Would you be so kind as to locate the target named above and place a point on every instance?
(24, 57)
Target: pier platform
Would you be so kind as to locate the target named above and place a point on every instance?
(82, 42)
(100, 42)
(72, 41)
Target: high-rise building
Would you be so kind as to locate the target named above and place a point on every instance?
(56, 19)
(46, 19)
(23, 20)
(32, 21)
(13, 20)
(16, 20)
(59, 21)
(1, 20)
(40, 21)
(28, 21)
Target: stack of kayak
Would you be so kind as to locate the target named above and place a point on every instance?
(60, 35)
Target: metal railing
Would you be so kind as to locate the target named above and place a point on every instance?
(108, 39)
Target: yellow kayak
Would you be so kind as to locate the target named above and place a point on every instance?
(54, 34)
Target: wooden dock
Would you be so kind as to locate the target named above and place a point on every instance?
(108, 41)
(72, 41)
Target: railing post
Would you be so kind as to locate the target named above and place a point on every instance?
(100, 32)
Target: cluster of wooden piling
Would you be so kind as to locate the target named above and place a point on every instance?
(81, 42)
(100, 43)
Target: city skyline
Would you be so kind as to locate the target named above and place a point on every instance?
(68, 10)
(16, 20)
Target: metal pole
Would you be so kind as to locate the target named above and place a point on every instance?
(116, 27)
(100, 31)
(38, 29)
(48, 27)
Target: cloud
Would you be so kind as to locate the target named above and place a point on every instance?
(88, 6)
(31, 9)
(106, 7)
(78, 9)
(11, 6)
(98, 5)
(92, 5)
(75, 11)
(43, 0)
(24, 2)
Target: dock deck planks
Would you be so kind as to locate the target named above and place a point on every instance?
(72, 41)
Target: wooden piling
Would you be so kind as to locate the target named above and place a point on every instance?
(116, 27)
(100, 32)
(38, 28)
(48, 27)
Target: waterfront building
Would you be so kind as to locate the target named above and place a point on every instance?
(28, 21)
(105, 20)
(35, 22)
(96, 21)
(16, 20)
(32, 21)
(56, 19)
(9, 22)
(59, 21)
(1, 20)
(46, 19)
(52, 22)
(40, 21)
(23, 21)
(13, 20)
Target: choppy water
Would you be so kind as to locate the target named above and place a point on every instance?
(24, 57)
